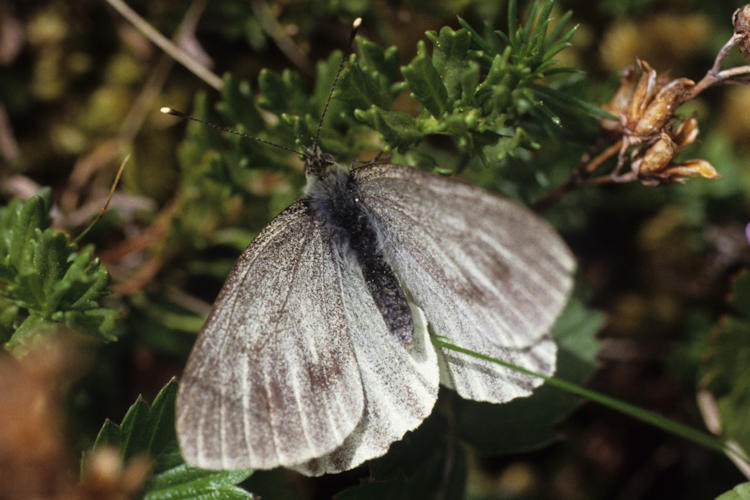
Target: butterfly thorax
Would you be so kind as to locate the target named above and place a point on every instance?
(334, 201)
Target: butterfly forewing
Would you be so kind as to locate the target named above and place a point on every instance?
(490, 276)
(273, 379)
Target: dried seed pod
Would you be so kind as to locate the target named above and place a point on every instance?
(661, 108)
(691, 168)
(741, 21)
(657, 157)
(686, 133)
(644, 91)
(620, 102)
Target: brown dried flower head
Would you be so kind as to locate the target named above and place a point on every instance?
(646, 101)
(645, 104)
(741, 21)
(654, 166)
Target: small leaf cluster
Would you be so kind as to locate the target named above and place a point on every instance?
(486, 93)
(482, 91)
(148, 430)
(46, 281)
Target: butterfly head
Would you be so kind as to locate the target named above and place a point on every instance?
(318, 164)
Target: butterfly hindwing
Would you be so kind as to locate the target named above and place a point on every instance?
(273, 379)
(400, 382)
(490, 275)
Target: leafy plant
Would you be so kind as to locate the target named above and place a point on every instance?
(493, 106)
(482, 91)
(149, 430)
(739, 492)
(45, 280)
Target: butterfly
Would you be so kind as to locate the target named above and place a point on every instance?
(317, 355)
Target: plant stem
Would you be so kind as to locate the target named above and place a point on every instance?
(578, 177)
(649, 417)
(165, 44)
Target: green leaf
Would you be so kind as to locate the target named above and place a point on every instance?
(529, 423)
(362, 90)
(183, 481)
(508, 146)
(425, 83)
(739, 492)
(399, 129)
(145, 428)
(449, 58)
(283, 93)
(149, 429)
(109, 435)
(19, 222)
(31, 327)
(374, 59)
(238, 105)
(46, 279)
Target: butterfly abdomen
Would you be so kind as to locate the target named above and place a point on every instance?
(333, 202)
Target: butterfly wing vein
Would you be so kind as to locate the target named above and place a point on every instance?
(277, 380)
(490, 275)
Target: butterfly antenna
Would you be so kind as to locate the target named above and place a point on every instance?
(179, 114)
(355, 26)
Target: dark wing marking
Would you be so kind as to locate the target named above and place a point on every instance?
(489, 274)
(273, 379)
(400, 380)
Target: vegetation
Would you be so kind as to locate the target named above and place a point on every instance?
(639, 163)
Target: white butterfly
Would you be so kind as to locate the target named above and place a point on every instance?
(316, 355)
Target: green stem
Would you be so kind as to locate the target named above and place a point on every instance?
(646, 416)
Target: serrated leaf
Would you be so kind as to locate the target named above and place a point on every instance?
(283, 93)
(359, 90)
(238, 104)
(449, 56)
(144, 428)
(109, 435)
(425, 83)
(149, 429)
(399, 129)
(374, 59)
(183, 481)
(47, 278)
